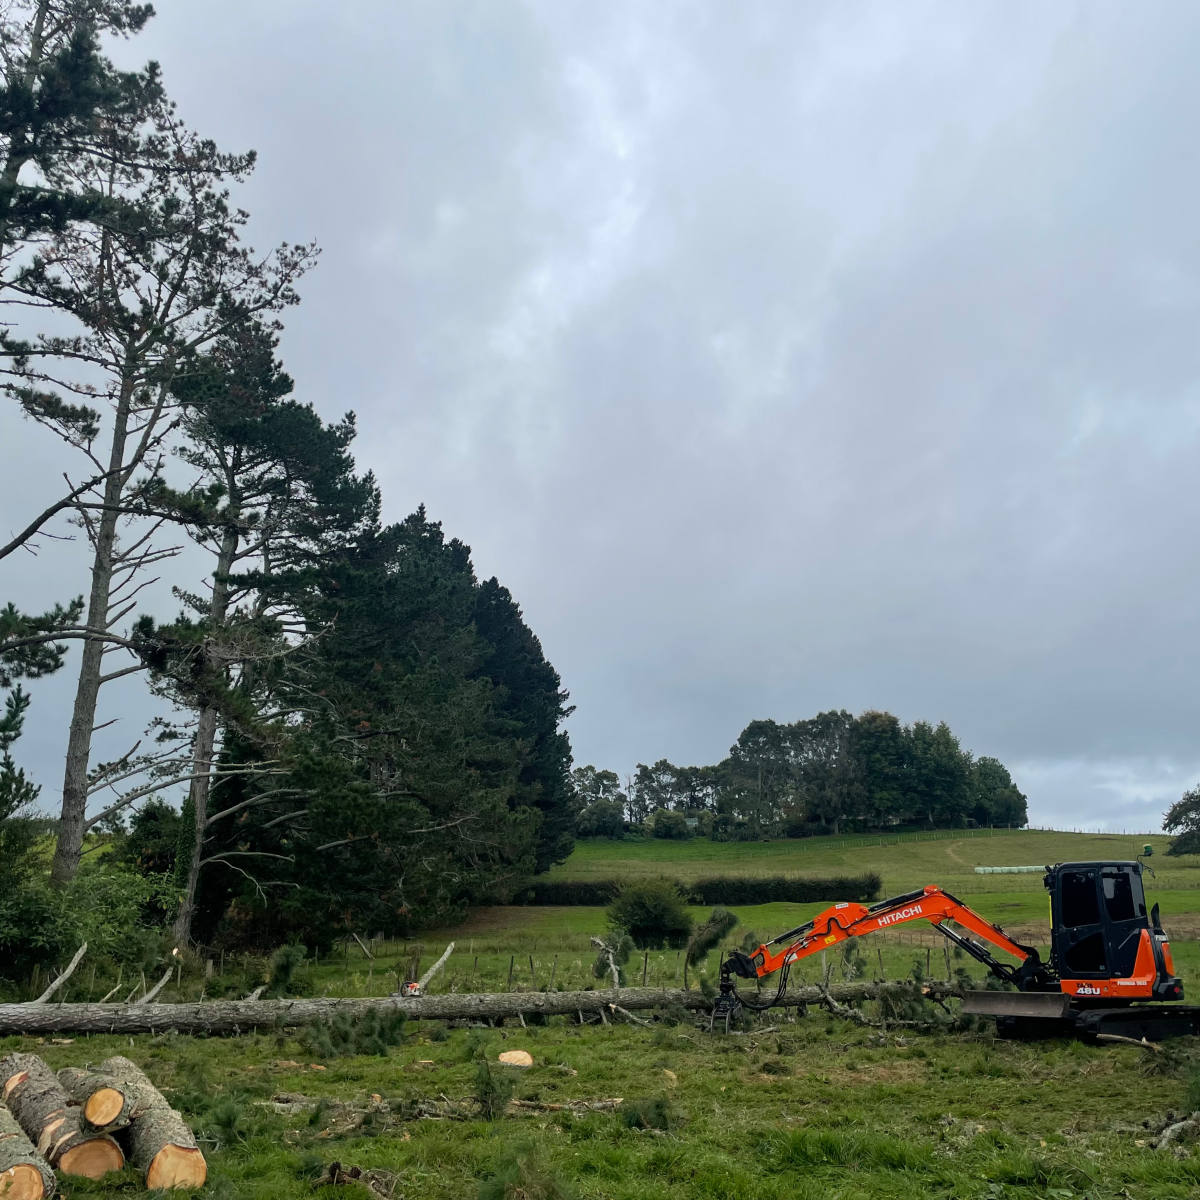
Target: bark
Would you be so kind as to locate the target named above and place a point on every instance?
(241, 1016)
(206, 733)
(24, 1173)
(42, 1108)
(87, 692)
(161, 1145)
(105, 1104)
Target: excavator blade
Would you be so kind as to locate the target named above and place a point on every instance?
(1050, 1005)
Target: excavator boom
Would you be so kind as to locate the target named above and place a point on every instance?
(842, 921)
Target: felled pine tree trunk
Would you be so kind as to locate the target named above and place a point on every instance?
(159, 1141)
(42, 1109)
(24, 1173)
(105, 1104)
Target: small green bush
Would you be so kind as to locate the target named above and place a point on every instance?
(285, 962)
(653, 914)
(344, 1036)
(493, 1090)
(671, 825)
(652, 1112)
(522, 1174)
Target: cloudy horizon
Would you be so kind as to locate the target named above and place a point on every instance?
(803, 357)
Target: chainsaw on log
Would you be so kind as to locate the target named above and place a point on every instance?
(1110, 969)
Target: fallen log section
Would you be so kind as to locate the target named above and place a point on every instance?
(105, 1105)
(24, 1173)
(241, 1016)
(42, 1108)
(160, 1143)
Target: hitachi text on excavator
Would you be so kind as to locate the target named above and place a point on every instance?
(1109, 971)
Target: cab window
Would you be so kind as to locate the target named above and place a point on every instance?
(1080, 905)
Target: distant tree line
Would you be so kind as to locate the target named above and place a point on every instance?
(829, 774)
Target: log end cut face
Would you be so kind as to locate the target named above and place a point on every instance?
(22, 1182)
(104, 1106)
(92, 1159)
(177, 1167)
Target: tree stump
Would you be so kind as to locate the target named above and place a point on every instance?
(104, 1104)
(159, 1141)
(24, 1173)
(41, 1106)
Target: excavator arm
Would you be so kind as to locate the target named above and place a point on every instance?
(843, 921)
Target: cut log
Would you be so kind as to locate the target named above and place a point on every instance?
(241, 1016)
(24, 1173)
(160, 1143)
(41, 1106)
(103, 1103)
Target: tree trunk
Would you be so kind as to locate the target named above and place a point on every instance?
(198, 793)
(240, 1016)
(206, 733)
(24, 1173)
(161, 1145)
(87, 692)
(42, 1109)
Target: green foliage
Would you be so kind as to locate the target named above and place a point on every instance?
(653, 913)
(709, 935)
(493, 1089)
(750, 889)
(285, 962)
(1193, 1093)
(602, 819)
(651, 1112)
(152, 841)
(1183, 820)
(671, 825)
(591, 893)
(617, 947)
(115, 911)
(376, 1032)
(524, 1174)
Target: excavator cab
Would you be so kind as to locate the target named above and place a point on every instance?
(1105, 946)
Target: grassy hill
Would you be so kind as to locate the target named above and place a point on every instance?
(906, 861)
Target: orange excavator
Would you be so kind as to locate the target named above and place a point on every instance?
(1109, 971)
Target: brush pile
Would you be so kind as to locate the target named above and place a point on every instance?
(89, 1123)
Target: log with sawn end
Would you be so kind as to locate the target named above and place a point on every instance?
(160, 1143)
(24, 1173)
(42, 1109)
(105, 1104)
(241, 1016)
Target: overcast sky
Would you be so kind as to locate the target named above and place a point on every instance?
(778, 357)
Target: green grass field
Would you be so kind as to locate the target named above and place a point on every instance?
(804, 1107)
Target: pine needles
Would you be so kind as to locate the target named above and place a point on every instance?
(343, 1035)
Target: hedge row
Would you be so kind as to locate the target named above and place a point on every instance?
(749, 889)
(720, 889)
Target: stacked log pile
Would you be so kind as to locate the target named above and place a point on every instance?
(86, 1123)
(43, 1110)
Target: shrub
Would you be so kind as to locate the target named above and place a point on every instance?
(601, 818)
(344, 1036)
(653, 914)
(522, 1175)
(672, 825)
(493, 1090)
(285, 962)
(653, 1112)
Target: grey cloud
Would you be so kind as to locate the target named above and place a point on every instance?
(779, 359)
